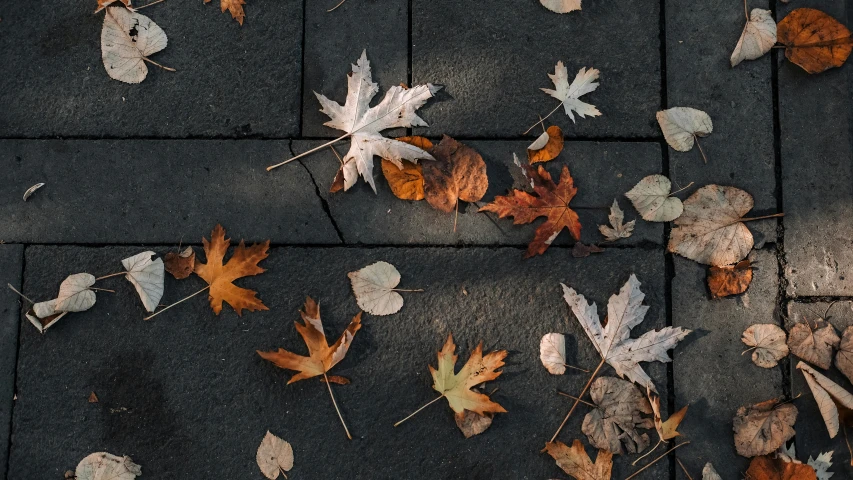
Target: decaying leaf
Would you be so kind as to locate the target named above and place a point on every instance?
(758, 37)
(548, 200)
(777, 467)
(582, 250)
(830, 397)
(729, 280)
(620, 408)
(105, 466)
(364, 123)
(102, 4)
(147, 277)
(243, 263)
(457, 387)
(457, 172)
(127, 40)
(561, 6)
(667, 430)
(764, 427)
(552, 353)
(709, 473)
(844, 357)
(584, 82)
(769, 345)
(617, 229)
(43, 315)
(814, 345)
(682, 125)
(407, 183)
(814, 40)
(652, 199)
(181, 264)
(821, 465)
(74, 293)
(374, 290)
(275, 456)
(575, 462)
(547, 147)
(30, 191)
(624, 311)
(471, 423)
(235, 7)
(93, 398)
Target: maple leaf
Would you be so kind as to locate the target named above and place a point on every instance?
(618, 228)
(758, 37)
(821, 464)
(575, 462)
(243, 263)
(619, 412)
(102, 4)
(779, 467)
(568, 95)
(764, 427)
(233, 6)
(548, 200)
(768, 340)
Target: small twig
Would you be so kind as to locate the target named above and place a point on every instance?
(161, 66)
(696, 139)
(826, 312)
(336, 406)
(577, 368)
(684, 188)
(149, 4)
(310, 151)
(404, 290)
(332, 148)
(456, 218)
(172, 305)
(683, 468)
(19, 293)
(102, 289)
(543, 119)
(745, 12)
(111, 275)
(762, 218)
(585, 388)
(336, 6)
(634, 463)
(655, 460)
(576, 398)
(418, 410)
(748, 349)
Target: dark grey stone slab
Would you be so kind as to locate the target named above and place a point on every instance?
(812, 437)
(700, 38)
(155, 191)
(11, 270)
(186, 396)
(231, 81)
(602, 172)
(710, 373)
(817, 173)
(335, 40)
(493, 57)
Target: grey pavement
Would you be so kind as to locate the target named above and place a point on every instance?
(11, 264)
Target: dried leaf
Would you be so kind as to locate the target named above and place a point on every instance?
(547, 147)
(93, 398)
(561, 6)
(274, 456)
(338, 181)
(758, 37)
(552, 352)
(147, 277)
(407, 183)
(74, 294)
(32, 190)
(457, 173)
(102, 4)
(618, 228)
(821, 464)
(844, 357)
(814, 40)
(127, 40)
(104, 466)
(620, 406)
(471, 423)
(233, 6)
(813, 345)
(575, 462)
(180, 265)
(681, 126)
(764, 427)
(766, 467)
(336, 379)
(669, 429)
(581, 250)
(652, 199)
(44, 315)
(568, 95)
(828, 395)
(729, 280)
(708, 473)
(457, 387)
(373, 287)
(769, 343)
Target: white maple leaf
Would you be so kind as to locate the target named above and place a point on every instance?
(821, 464)
(364, 123)
(583, 83)
(617, 228)
(624, 311)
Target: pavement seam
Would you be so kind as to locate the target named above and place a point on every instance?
(302, 73)
(601, 139)
(8, 465)
(323, 201)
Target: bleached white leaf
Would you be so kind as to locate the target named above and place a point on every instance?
(583, 83)
(364, 123)
(821, 464)
(74, 294)
(552, 352)
(540, 142)
(826, 393)
(708, 473)
(274, 456)
(681, 126)
(624, 311)
(32, 190)
(147, 277)
(758, 37)
(769, 342)
(127, 40)
(374, 285)
(651, 197)
(105, 466)
(617, 229)
(561, 6)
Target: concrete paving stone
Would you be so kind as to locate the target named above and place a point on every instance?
(817, 172)
(602, 172)
(107, 191)
(493, 58)
(710, 373)
(231, 81)
(812, 437)
(335, 40)
(700, 38)
(11, 268)
(185, 395)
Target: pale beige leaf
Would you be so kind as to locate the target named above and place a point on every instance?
(74, 294)
(826, 393)
(104, 466)
(583, 83)
(126, 40)
(147, 277)
(274, 456)
(681, 125)
(45, 309)
(552, 352)
(769, 344)
(764, 427)
(577, 464)
(651, 197)
(758, 37)
(619, 412)
(540, 142)
(374, 285)
(617, 229)
(813, 345)
(561, 6)
(472, 423)
(708, 473)
(44, 315)
(844, 357)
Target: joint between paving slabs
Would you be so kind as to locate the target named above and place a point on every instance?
(5, 468)
(323, 201)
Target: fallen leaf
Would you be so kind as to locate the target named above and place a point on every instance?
(568, 95)
(93, 398)
(275, 456)
(618, 413)
(32, 190)
(581, 250)
(758, 37)
(336, 379)
(653, 201)
(729, 280)
(708, 473)
(147, 277)
(813, 345)
(844, 357)
(407, 183)
(243, 263)
(624, 312)
(44, 315)
(548, 200)
(127, 40)
(104, 466)
(457, 172)
(364, 123)
(552, 353)
(321, 357)
(764, 427)
(575, 462)
(561, 6)
(617, 229)
(235, 7)
(547, 147)
(457, 387)
(102, 4)
(471, 423)
(374, 290)
(682, 125)
(814, 40)
(769, 344)
(74, 294)
(668, 429)
(821, 465)
(338, 181)
(829, 397)
(766, 468)
(180, 265)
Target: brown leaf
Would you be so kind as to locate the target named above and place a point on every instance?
(814, 40)
(338, 182)
(844, 357)
(457, 173)
(233, 6)
(548, 200)
(406, 183)
(764, 427)
(581, 250)
(472, 423)
(766, 467)
(813, 345)
(180, 265)
(243, 263)
(620, 406)
(574, 461)
(666, 430)
(833, 401)
(729, 280)
(93, 398)
(548, 151)
(336, 379)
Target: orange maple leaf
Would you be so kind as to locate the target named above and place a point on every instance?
(102, 4)
(233, 6)
(243, 263)
(550, 200)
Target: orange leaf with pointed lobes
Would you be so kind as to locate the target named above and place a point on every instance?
(102, 4)
(233, 6)
(575, 461)
(456, 387)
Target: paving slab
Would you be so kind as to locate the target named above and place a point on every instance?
(185, 395)
(11, 268)
(710, 373)
(335, 40)
(104, 191)
(700, 38)
(817, 172)
(602, 172)
(493, 58)
(812, 437)
(231, 81)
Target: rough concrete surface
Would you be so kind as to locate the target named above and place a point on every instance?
(11, 268)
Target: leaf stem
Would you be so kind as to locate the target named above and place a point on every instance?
(149, 4)
(745, 12)
(19, 293)
(762, 218)
(576, 368)
(848, 444)
(576, 398)
(102, 289)
(683, 468)
(404, 290)
(585, 388)
(111, 275)
(543, 119)
(634, 463)
(172, 305)
(418, 410)
(655, 460)
(170, 69)
(695, 138)
(327, 144)
(681, 189)
(342, 2)
(329, 386)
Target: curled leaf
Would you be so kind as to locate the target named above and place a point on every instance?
(547, 147)
(180, 265)
(829, 397)
(147, 277)
(32, 190)
(552, 353)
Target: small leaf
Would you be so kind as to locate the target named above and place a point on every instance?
(127, 40)
(681, 126)
(769, 343)
(180, 265)
(274, 456)
(373, 287)
(652, 199)
(821, 464)
(147, 277)
(547, 147)
(582, 250)
(617, 229)
(729, 280)
(583, 83)
(708, 473)
(471, 423)
(74, 294)
(104, 466)
(235, 7)
(32, 190)
(758, 37)
(552, 353)
(457, 387)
